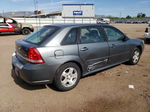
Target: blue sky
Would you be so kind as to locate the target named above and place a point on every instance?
(102, 7)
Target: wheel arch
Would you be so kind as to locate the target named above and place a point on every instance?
(140, 48)
(27, 28)
(57, 82)
(77, 63)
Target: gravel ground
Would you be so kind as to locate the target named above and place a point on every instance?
(106, 91)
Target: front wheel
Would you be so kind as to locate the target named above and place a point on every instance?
(26, 31)
(67, 77)
(135, 57)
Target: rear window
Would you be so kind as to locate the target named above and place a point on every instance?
(42, 34)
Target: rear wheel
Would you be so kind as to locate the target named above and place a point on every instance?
(135, 57)
(67, 77)
(26, 31)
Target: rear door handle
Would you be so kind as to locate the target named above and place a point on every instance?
(84, 49)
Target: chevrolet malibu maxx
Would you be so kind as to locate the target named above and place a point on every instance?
(63, 53)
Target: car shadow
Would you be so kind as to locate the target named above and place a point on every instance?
(24, 85)
(27, 86)
(51, 86)
(9, 34)
(147, 42)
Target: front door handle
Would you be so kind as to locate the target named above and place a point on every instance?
(84, 49)
(113, 46)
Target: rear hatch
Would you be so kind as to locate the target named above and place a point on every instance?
(22, 48)
(26, 49)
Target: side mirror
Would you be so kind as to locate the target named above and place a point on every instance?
(125, 38)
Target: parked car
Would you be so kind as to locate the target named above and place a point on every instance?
(147, 33)
(103, 20)
(62, 54)
(9, 25)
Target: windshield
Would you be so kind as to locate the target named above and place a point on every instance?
(42, 34)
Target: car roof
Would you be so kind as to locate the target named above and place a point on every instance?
(76, 25)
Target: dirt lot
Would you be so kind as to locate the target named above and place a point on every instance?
(106, 91)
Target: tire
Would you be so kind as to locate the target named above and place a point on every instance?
(135, 57)
(147, 40)
(67, 77)
(26, 31)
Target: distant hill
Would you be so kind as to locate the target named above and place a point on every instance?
(17, 14)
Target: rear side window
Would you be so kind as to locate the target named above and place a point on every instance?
(91, 35)
(70, 38)
(41, 34)
(113, 34)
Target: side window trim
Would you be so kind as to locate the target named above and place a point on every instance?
(101, 30)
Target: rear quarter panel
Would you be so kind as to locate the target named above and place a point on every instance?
(57, 56)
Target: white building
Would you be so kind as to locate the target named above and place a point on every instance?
(71, 13)
(78, 11)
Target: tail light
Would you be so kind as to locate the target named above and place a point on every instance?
(146, 30)
(34, 56)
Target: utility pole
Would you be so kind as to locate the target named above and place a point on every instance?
(120, 14)
(3, 13)
(36, 10)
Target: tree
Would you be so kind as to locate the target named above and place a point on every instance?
(141, 15)
(128, 17)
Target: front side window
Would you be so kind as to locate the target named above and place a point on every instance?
(113, 34)
(90, 35)
(70, 38)
(41, 34)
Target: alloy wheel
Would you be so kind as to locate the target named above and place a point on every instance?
(69, 77)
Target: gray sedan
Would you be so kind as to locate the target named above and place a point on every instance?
(62, 54)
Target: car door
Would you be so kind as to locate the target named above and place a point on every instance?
(93, 48)
(11, 26)
(118, 45)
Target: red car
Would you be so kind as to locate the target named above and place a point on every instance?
(8, 25)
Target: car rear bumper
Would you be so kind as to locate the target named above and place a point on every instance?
(33, 73)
